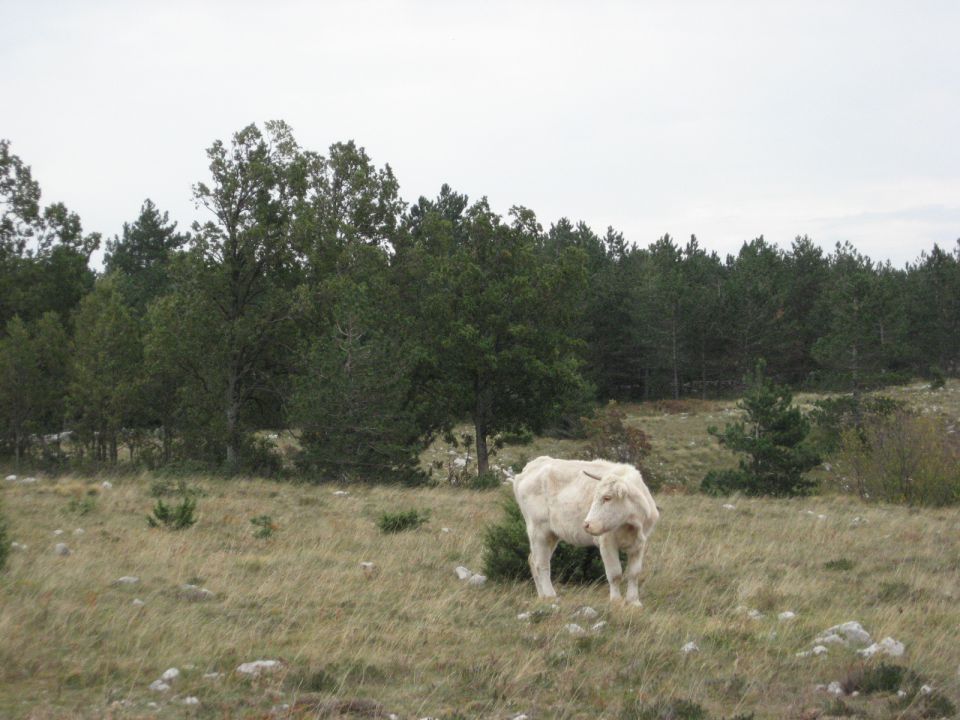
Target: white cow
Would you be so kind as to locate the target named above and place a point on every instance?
(586, 503)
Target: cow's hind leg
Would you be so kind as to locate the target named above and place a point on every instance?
(634, 566)
(611, 564)
(542, 546)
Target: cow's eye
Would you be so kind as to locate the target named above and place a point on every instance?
(606, 498)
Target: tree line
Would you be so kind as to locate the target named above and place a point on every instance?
(313, 297)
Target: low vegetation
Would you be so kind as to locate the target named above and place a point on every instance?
(410, 636)
(394, 522)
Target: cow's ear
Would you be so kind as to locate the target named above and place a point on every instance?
(619, 488)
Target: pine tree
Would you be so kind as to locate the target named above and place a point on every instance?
(772, 441)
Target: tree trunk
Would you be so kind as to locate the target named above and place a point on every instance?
(480, 424)
(483, 457)
(232, 412)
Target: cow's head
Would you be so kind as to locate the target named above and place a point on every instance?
(611, 507)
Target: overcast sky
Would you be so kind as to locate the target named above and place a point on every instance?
(840, 120)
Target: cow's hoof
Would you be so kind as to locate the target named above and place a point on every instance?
(636, 604)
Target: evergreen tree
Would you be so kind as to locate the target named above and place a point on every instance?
(772, 439)
(141, 256)
(106, 371)
(33, 362)
(494, 317)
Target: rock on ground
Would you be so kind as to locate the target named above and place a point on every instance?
(127, 580)
(887, 646)
(846, 633)
(787, 615)
(196, 594)
(575, 629)
(170, 674)
(258, 666)
(463, 573)
(159, 686)
(689, 648)
(477, 580)
(587, 613)
(61, 549)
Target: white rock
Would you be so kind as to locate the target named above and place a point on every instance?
(524, 616)
(521, 716)
(369, 569)
(127, 580)
(857, 521)
(212, 676)
(18, 546)
(597, 627)
(445, 530)
(28, 480)
(258, 666)
(901, 693)
(786, 615)
(463, 573)
(754, 614)
(728, 506)
(587, 613)
(460, 462)
(815, 650)
(848, 632)
(153, 705)
(574, 629)
(887, 646)
(925, 689)
(340, 493)
(11, 478)
(192, 592)
(831, 639)
(61, 549)
(170, 674)
(191, 700)
(690, 647)
(137, 602)
(821, 517)
(477, 580)
(834, 688)
(58, 532)
(159, 686)
(79, 531)
(106, 485)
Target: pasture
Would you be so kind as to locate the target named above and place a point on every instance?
(411, 637)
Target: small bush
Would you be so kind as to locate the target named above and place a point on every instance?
(834, 416)
(937, 378)
(265, 527)
(506, 549)
(885, 677)
(82, 506)
(401, 521)
(841, 564)
(174, 518)
(902, 458)
(611, 439)
(485, 481)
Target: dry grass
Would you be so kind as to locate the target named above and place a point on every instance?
(416, 640)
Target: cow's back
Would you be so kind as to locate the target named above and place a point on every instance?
(555, 495)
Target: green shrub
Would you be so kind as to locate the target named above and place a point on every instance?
(771, 442)
(834, 416)
(485, 481)
(82, 506)
(174, 518)
(401, 521)
(506, 549)
(264, 525)
(937, 378)
(841, 564)
(902, 458)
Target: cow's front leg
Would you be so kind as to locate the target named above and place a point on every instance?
(611, 564)
(541, 549)
(634, 566)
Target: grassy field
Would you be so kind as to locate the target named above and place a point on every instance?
(411, 637)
